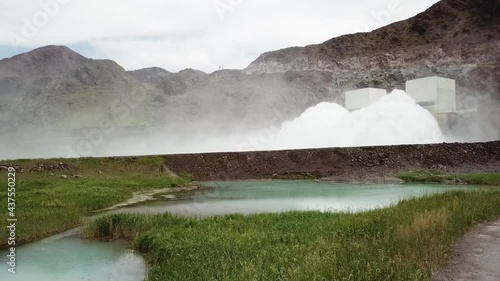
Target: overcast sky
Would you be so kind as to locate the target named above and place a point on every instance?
(179, 34)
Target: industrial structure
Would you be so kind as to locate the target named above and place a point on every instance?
(436, 94)
(362, 98)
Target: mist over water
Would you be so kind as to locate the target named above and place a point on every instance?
(394, 119)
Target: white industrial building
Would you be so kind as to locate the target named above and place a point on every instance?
(436, 94)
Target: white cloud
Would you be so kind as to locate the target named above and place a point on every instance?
(176, 34)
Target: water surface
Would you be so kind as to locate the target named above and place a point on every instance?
(250, 197)
(66, 257)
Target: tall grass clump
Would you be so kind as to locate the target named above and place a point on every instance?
(492, 179)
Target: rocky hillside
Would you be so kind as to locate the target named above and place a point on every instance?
(55, 88)
(459, 39)
(168, 83)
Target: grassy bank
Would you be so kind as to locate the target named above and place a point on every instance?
(402, 242)
(492, 179)
(48, 203)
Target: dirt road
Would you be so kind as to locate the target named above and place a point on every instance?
(476, 257)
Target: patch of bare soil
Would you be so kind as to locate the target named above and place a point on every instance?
(152, 195)
(476, 257)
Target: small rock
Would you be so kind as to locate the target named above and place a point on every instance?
(52, 174)
(63, 177)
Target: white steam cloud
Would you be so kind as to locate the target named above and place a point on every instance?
(394, 119)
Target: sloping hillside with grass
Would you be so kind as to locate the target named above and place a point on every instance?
(55, 195)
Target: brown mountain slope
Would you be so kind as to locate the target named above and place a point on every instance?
(168, 83)
(55, 88)
(454, 38)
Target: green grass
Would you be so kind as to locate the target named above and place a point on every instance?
(402, 242)
(492, 179)
(47, 204)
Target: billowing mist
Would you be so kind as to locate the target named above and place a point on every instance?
(394, 119)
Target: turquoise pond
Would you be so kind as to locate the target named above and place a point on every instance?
(67, 257)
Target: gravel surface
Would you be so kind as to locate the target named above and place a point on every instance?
(476, 257)
(356, 165)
